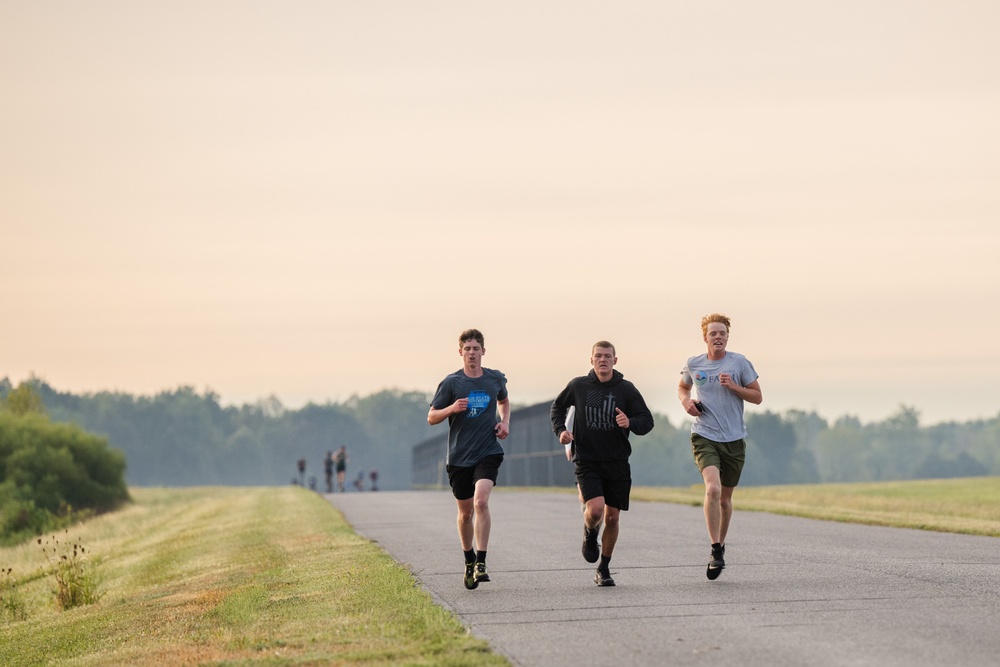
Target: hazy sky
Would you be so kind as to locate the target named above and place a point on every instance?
(312, 199)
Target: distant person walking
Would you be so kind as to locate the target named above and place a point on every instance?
(340, 463)
(474, 401)
(608, 408)
(328, 469)
(724, 381)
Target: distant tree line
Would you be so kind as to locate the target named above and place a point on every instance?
(182, 437)
(185, 438)
(803, 448)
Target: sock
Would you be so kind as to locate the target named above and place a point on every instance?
(604, 562)
(481, 557)
(470, 556)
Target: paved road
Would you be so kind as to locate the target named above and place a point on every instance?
(795, 591)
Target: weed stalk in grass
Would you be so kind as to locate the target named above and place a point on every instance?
(75, 575)
(11, 602)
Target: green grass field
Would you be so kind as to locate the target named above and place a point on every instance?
(274, 576)
(969, 506)
(230, 576)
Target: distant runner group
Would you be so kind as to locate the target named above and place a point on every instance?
(606, 408)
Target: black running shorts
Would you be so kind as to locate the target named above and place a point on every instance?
(463, 480)
(610, 479)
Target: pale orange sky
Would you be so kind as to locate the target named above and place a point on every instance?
(312, 199)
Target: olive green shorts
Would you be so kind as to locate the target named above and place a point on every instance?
(728, 457)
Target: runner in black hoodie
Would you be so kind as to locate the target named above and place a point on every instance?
(608, 407)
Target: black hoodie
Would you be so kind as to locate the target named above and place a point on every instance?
(596, 436)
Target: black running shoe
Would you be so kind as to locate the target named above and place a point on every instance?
(470, 576)
(591, 552)
(717, 563)
(481, 574)
(603, 577)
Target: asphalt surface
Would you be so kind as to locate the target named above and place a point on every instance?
(795, 592)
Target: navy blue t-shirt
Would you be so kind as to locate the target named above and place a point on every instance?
(471, 434)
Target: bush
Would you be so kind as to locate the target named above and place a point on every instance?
(53, 474)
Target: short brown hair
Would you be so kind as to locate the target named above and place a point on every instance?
(472, 334)
(714, 317)
(602, 343)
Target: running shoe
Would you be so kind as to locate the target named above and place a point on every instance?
(603, 577)
(470, 576)
(591, 552)
(481, 573)
(717, 562)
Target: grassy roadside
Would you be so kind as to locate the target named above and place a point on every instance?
(232, 576)
(946, 505)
